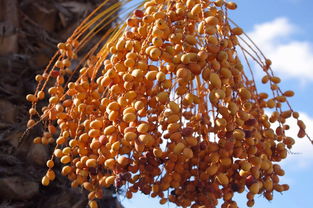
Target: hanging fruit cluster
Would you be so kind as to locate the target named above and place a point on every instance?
(165, 107)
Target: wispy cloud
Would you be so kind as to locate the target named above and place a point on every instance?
(291, 58)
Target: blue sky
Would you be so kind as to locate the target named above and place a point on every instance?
(283, 30)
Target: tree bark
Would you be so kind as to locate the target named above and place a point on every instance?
(8, 27)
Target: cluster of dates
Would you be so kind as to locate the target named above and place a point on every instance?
(167, 110)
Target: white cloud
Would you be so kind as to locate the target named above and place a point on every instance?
(291, 58)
